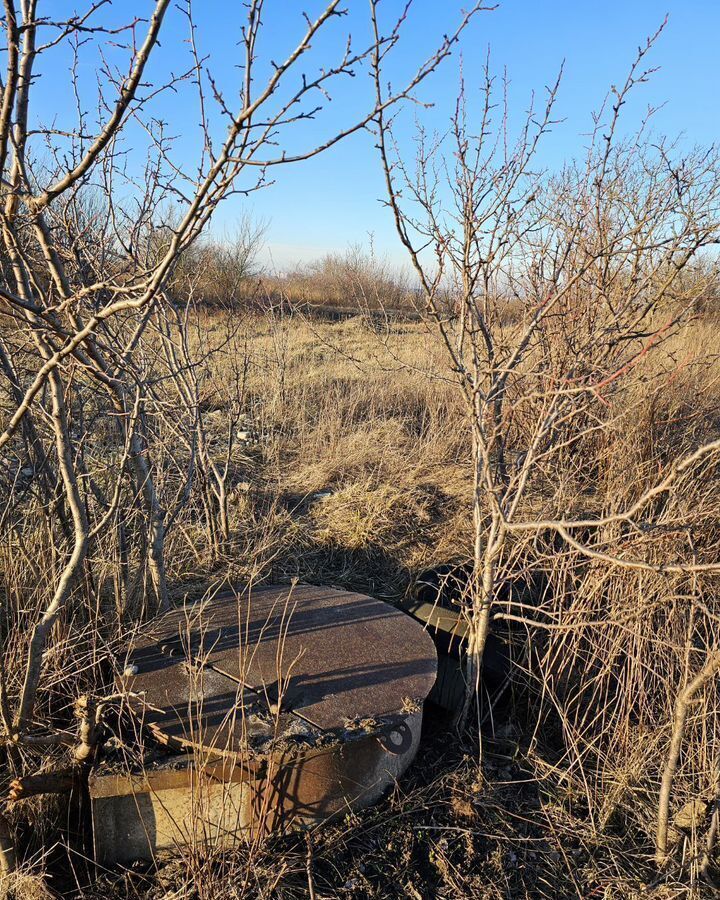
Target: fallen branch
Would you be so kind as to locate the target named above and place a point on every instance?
(63, 782)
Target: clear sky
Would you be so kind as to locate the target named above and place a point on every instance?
(334, 200)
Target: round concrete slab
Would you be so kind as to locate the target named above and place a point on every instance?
(287, 706)
(318, 658)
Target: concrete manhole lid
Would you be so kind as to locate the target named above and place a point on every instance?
(210, 675)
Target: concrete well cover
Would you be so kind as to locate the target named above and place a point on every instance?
(350, 674)
(210, 675)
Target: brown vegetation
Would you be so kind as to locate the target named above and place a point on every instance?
(357, 280)
(354, 471)
(550, 414)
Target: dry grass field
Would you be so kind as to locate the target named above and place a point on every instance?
(350, 466)
(525, 390)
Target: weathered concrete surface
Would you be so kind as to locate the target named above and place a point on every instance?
(191, 800)
(350, 674)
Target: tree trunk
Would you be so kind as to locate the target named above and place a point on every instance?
(73, 566)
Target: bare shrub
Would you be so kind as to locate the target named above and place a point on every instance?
(604, 265)
(105, 434)
(221, 272)
(355, 279)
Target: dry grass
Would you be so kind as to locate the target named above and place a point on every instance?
(356, 474)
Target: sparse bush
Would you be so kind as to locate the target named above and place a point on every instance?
(356, 280)
(221, 272)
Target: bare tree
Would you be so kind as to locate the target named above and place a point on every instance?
(89, 251)
(549, 292)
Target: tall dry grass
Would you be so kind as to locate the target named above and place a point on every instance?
(353, 469)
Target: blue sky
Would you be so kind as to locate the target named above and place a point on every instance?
(334, 200)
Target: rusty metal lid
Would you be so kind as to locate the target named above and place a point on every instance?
(211, 674)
